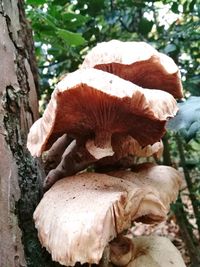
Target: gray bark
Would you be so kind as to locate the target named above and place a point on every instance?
(20, 177)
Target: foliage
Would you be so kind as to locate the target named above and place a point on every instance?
(187, 121)
(65, 30)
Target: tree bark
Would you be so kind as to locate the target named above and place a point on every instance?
(20, 175)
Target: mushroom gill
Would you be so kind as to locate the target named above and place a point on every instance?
(92, 104)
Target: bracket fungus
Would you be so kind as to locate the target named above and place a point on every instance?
(69, 221)
(151, 251)
(137, 62)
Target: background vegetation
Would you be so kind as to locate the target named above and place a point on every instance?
(65, 30)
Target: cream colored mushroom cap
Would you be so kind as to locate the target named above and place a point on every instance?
(137, 62)
(80, 214)
(151, 251)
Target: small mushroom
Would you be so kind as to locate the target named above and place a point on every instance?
(74, 159)
(126, 149)
(127, 145)
(151, 251)
(137, 62)
(92, 104)
(77, 157)
(89, 209)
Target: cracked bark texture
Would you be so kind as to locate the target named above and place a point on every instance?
(20, 175)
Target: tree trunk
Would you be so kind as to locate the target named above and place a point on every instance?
(20, 175)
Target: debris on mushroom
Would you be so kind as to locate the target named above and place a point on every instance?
(137, 62)
(161, 184)
(89, 209)
(92, 104)
(151, 251)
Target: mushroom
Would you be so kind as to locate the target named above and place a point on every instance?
(80, 214)
(137, 62)
(95, 105)
(127, 145)
(126, 150)
(160, 184)
(151, 251)
(77, 157)
(53, 156)
(74, 159)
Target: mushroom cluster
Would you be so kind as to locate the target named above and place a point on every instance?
(104, 115)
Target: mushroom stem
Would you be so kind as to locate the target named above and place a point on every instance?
(75, 158)
(103, 139)
(98, 152)
(54, 155)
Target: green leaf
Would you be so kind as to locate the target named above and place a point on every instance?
(170, 48)
(74, 20)
(36, 2)
(187, 121)
(59, 2)
(95, 6)
(71, 38)
(145, 26)
(174, 8)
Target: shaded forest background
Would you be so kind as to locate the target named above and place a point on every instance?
(64, 31)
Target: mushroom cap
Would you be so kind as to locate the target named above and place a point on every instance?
(125, 149)
(127, 145)
(161, 185)
(80, 214)
(151, 251)
(137, 62)
(90, 103)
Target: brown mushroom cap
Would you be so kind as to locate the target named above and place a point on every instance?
(95, 104)
(80, 214)
(151, 251)
(137, 62)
